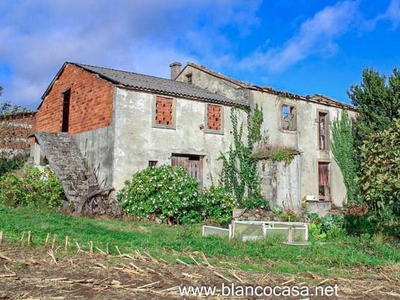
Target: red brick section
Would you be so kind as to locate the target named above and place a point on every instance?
(14, 130)
(91, 102)
(164, 111)
(214, 117)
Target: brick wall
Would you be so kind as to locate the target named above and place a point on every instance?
(90, 107)
(214, 117)
(14, 131)
(164, 111)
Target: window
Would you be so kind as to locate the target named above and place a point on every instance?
(164, 112)
(65, 113)
(323, 130)
(289, 117)
(214, 117)
(189, 78)
(152, 163)
(323, 181)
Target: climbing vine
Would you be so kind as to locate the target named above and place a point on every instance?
(239, 168)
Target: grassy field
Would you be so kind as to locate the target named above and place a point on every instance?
(338, 256)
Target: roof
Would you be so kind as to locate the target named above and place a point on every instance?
(317, 98)
(152, 84)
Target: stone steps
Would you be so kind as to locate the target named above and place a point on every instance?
(66, 161)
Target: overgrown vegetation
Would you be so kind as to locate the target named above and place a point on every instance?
(342, 145)
(379, 175)
(239, 167)
(31, 187)
(376, 141)
(172, 196)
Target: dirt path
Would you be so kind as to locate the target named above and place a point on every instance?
(30, 273)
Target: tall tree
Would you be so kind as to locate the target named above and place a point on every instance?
(377, 99)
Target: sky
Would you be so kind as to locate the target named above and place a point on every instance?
(304, 47)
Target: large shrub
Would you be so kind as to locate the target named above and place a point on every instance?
(167, 193)
(379, 176)
(217, 204)
(172, 196)
(31, 187)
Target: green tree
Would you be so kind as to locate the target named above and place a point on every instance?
(379, 175)
(377, 99)
(342, 145)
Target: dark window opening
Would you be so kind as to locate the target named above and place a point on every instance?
(152, 163)
(323, 131)
(65, 113)
(189, 78)
(289, 117)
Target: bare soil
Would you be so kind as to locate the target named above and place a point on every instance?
(38, 273)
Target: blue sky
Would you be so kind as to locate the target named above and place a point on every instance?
(304, 46)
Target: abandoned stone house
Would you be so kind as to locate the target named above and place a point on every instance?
(293, 121)
(101, 125)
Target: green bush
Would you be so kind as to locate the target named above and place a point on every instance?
(167, 193)
(8, 165)
(217, 204)
(31, 187)
(172, 196)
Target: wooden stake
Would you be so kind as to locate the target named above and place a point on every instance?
(22, 238)
(66, 243)
(1, 237)
(54, 241)
(29, 238)
(47, 239)
(91, 247)
(77, 246)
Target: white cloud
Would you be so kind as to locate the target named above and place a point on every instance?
(392, 15)
(37, 37)
(316, 36)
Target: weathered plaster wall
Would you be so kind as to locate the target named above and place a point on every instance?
(281, 183)
(301, 177)
(137, 140)
(97, 148)
(304, 139)
(220, 87)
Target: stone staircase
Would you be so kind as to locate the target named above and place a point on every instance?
(66, 161)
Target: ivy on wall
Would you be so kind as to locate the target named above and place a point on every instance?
(239, 168)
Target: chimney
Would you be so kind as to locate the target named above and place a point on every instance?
(175, 69)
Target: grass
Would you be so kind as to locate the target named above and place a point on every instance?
(171, 242)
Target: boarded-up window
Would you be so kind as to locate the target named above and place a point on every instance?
(214, 117)
(323, 181)
(323, 130)
(289, 117)
(191, 163)
(164, 111)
